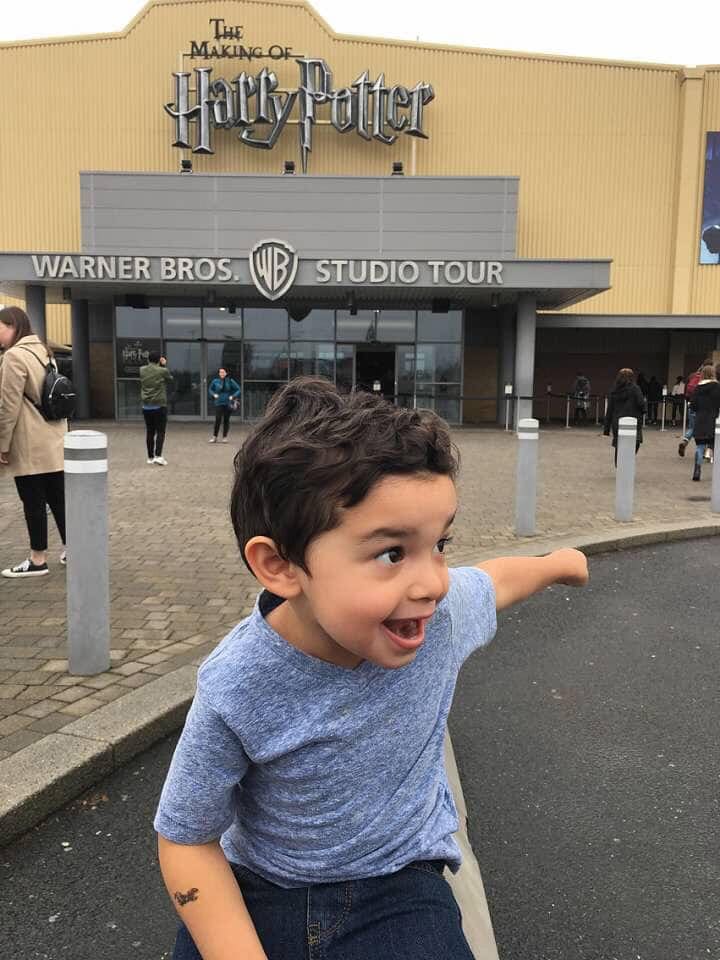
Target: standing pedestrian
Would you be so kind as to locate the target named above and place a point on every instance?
(693, 380)
(31, 447)
(154, 378)
(626, 400)
(678, 398)
(706, 404)
(224, 392)
(654, 396)
(581, 393)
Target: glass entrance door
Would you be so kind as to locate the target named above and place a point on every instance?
(186, 396)
(375, 370)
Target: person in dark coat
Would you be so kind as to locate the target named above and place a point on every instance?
(706, 403)
(626, 400)
(654, 396)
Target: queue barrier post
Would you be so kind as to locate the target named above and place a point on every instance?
(508, 398)
(664, 407)
(625, 473)
(528, 433)
(88, 581)
(715, 497)
(567, 413)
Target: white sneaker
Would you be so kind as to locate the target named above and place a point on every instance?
(150, 460)
(26, 569)
(224, 439)
(212, 440)
(161, 460)
(63, 558)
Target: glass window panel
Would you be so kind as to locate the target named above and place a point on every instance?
(442, 327)
(221, 324)
(130, 322)
(443, 398)
(256, 397)
(396, 326)
(344, 367)
(128, 400)
(183, 361)
(357, 329)
(265, 361)
(267, 323)
(317, 325)
(181, 323)
(438, 362)
(312, 360)
(405, 374)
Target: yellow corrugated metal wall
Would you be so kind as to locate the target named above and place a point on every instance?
(596, 145)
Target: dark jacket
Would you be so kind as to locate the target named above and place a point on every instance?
(706, 404)
(626, 400)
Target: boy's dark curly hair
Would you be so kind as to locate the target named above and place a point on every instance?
(317, 451)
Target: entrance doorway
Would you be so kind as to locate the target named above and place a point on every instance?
(374, 366)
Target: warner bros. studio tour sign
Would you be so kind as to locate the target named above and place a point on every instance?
(259, 110)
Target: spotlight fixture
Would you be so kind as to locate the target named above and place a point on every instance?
(495, 301)
(211, 298)
(352, 305)
(66, 293)
(186, 166)
(233, 308)
(397, 169)
(289, 167)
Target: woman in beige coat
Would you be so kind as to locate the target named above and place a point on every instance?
(31, 448)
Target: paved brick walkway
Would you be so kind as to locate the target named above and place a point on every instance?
(178, 585)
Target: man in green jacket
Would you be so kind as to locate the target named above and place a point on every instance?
(154, 378)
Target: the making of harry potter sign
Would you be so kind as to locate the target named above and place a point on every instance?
(367, 106)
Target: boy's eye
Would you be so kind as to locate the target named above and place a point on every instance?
(391, 556)
(441, 544)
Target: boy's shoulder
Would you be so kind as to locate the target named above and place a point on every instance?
(238, 664)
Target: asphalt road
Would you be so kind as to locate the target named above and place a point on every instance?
(586, 738)
(587, 744)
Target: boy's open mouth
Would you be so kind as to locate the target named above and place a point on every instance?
(407, 634)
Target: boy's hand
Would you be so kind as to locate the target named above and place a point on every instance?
(573, 566)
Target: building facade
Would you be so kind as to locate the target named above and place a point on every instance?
(237, 185)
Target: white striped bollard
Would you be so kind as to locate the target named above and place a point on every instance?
(88, 582)
(526, 485)
(625, 473)
(715, 498)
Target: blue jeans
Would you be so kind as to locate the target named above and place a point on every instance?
(690, 426)
(700, 446)
(409, 915)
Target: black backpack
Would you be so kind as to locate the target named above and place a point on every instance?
(57, 395)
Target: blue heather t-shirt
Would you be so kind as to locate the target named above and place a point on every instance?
(313, 773)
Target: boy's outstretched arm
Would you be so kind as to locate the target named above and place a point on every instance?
(517, 578)
(208, 900)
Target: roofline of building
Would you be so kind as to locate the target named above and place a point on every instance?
(374, 41)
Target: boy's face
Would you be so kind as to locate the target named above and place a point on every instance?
(376, 579)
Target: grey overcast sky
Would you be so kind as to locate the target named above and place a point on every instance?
(662, 31)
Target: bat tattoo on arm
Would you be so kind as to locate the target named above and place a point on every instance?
(183, 898)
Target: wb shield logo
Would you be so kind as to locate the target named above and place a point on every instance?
(273, 265)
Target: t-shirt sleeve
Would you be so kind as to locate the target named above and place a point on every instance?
(196, 804)
(473, 615)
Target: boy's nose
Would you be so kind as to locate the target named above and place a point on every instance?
(430, 583)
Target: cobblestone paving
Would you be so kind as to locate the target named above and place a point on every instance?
(178, 585)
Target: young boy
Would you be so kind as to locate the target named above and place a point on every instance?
(306, 814)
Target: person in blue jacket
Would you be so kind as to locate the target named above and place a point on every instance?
(224, 392)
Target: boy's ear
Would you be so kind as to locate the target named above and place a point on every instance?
(276, 574)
